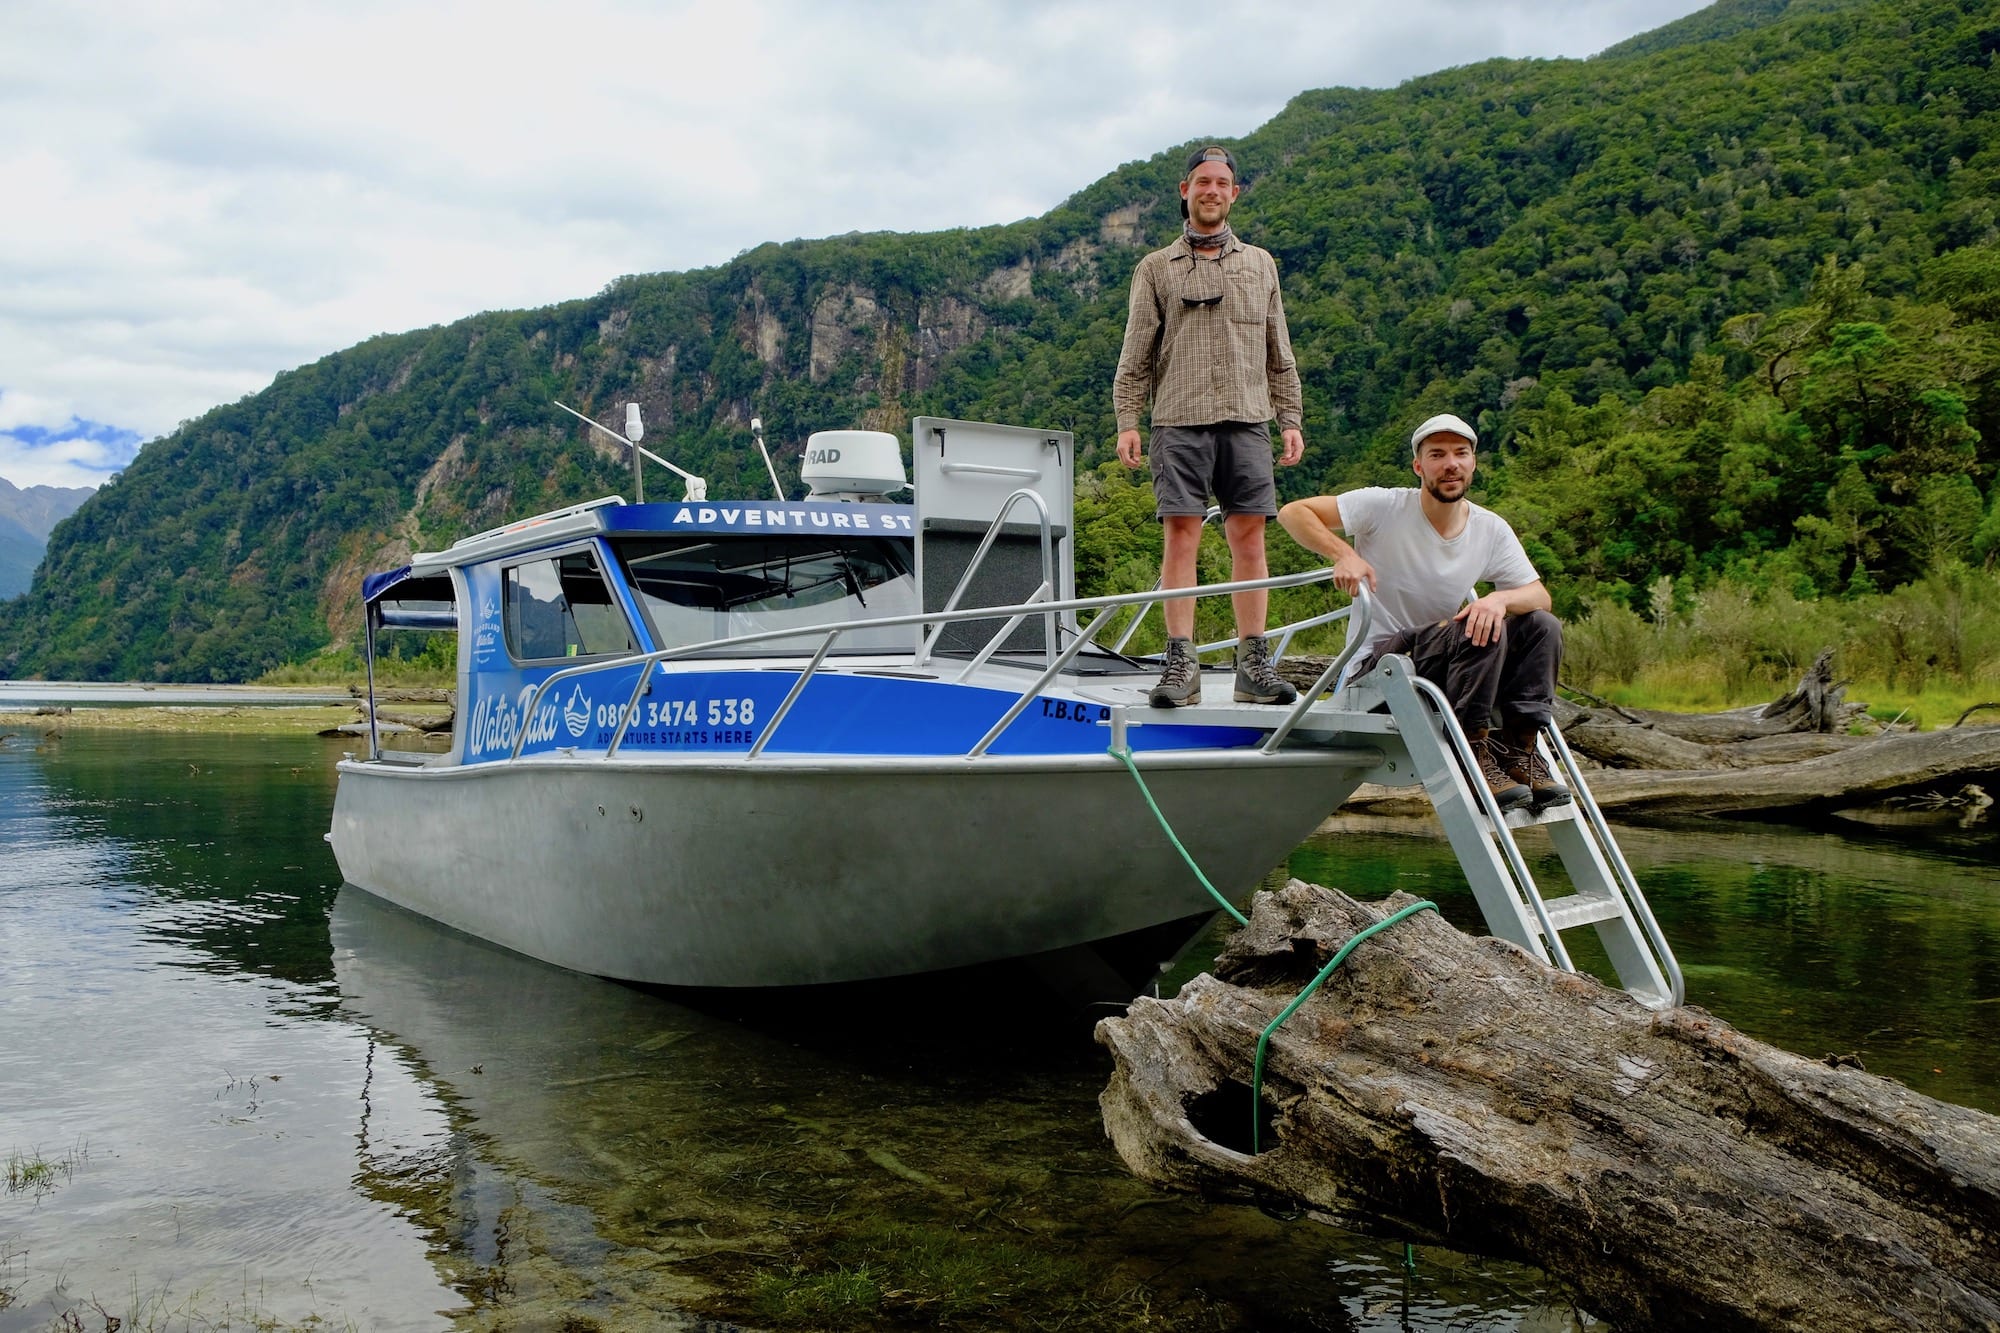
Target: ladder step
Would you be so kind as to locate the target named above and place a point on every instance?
(1522, 817)
(1578, 910)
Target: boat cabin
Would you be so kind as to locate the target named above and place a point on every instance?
(591, 592)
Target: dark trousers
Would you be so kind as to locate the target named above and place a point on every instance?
(1515, 675)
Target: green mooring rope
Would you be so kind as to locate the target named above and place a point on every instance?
(1227, 906)
(1257, 1070)
(1263, 1040)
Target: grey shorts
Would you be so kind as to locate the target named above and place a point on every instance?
(1230, 460)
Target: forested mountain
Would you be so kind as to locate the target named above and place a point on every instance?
(26, 518)
(1725, 299)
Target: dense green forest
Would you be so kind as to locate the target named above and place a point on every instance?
(1724, 302)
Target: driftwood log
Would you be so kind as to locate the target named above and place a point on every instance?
(402, 719)
(1793, 753)
(1616, 744)
(1671, 1171)
(1869, 771)
(1880, 769)
(429, 723)
(408, 694)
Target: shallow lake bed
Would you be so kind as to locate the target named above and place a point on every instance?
(265, 1097)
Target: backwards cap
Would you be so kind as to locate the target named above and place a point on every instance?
(1212, 153)
(1441, 424)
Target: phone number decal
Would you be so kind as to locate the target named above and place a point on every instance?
(727, 721)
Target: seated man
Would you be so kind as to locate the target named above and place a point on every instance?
(1420, 549)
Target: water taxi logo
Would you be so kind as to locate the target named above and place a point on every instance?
(576, 713)
(487, 637)
(496, 722)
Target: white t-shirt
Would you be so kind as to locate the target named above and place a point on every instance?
(1420, 577)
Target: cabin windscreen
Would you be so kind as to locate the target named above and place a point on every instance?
(698, 589)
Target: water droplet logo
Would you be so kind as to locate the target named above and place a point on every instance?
(576, 713)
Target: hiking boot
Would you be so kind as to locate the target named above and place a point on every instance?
(1180, 683)
(1508, 793)
(1257, 681)
(1521, 757)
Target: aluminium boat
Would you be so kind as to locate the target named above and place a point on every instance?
(778, 743)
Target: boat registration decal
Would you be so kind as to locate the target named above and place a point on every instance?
(1075, 710)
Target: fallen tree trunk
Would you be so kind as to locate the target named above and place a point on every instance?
(1450, 1089)
(1736, 724)
(1620, 745)
(1894, 765)
(429, 723)
(1862, 773)
(409, 694)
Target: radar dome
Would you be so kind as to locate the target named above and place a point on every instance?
(854, 464)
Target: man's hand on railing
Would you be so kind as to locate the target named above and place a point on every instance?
(1351, 571)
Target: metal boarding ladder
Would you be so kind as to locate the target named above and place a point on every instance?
(1605, 893)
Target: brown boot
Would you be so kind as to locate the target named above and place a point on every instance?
(1508, 793)
(1257, 681)
(1519, 754)
(1180, 683)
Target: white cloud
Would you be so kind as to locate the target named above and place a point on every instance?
(42, 444)
(66, 463)
(204, 192)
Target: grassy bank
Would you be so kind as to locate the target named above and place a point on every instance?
(1927, 652)
(1938, 704)
(427, 663)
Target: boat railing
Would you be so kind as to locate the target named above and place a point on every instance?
(1037, 605)
(1284, 634)
(1214, 512)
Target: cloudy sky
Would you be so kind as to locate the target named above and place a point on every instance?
(200, 193)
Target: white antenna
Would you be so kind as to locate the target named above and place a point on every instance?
(635, 430)
(697, 488)
(757, 434)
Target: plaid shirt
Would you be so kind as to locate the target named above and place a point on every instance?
(1206, 340)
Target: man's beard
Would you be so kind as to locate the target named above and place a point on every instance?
(1434, 489)
(1209, 223)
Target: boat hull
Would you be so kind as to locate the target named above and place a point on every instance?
(783, 873)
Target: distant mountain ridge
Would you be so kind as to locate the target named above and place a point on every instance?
(27, 517)
(1540, 246)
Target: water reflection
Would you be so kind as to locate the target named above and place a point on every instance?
(889, 1155)
(305, 1102)
(196, 1118)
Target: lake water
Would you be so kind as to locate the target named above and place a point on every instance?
(233, 1095)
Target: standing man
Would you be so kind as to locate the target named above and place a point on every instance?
(1205, 340)
(1420, 550)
